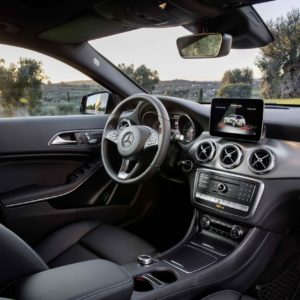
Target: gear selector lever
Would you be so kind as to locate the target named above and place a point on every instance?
(145, 260)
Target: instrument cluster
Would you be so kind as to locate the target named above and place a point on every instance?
(182, 126)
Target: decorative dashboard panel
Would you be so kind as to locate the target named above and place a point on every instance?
(269, 158)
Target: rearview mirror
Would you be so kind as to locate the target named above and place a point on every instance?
(96, 103)
(204, 45)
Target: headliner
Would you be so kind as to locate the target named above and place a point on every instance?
(74, 22)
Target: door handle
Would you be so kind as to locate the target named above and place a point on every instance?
(61, 141)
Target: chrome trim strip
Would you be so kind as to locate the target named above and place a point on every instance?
(254, 205)
(75, 131)
(180, 115)
(127, 121)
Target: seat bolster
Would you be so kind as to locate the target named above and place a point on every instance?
(17, 259)
(92, 280)
(64, 238)
(115, 244)
(227, 295)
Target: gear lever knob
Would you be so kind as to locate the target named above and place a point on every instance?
(145, 260)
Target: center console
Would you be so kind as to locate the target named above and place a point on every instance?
(226, 193)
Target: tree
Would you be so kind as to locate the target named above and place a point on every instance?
(279, 61)
(235, 90)
(20, 84)
(236, 83)
(237, 75)
(144, 76)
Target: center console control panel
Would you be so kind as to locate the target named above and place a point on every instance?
(223, 228)
(226, 193)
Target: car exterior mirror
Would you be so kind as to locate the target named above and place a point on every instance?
(96, 103)
(204, 45)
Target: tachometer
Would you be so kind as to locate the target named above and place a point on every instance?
(187, 128)
(150, 119)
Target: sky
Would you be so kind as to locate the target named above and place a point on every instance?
(156, 48)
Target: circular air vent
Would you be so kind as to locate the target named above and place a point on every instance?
(123, 124)
(231, 156)
(206, 151)
(261, 161)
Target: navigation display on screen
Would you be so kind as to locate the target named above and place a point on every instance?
(237, 118)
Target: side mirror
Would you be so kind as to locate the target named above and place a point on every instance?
(204, 45)
(96, 103)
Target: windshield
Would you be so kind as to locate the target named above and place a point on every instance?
(150, 57)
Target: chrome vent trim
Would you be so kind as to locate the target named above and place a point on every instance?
(261, 161)
(206, 151)
(231, 156)
(123, 124)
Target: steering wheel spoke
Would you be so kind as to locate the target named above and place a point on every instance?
(152, 140)
(113, 136)
(128, 168)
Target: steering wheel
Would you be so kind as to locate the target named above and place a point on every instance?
(133, 142)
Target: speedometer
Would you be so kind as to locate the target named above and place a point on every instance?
(187, 128)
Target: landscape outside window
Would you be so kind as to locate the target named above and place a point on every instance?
(27, 90)
(272, 73)
(33, 84)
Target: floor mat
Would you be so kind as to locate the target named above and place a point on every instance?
(283, 287)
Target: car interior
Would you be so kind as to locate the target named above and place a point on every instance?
(159, 197)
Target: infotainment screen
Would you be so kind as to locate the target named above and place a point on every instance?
(237, 118)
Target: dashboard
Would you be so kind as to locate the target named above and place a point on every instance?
(241, 163)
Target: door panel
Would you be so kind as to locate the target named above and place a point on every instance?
(46, 186)
(33, 134)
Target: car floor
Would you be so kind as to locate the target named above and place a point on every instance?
(281, 279)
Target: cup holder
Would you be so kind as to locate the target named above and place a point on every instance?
(164, 276)
(141, 284)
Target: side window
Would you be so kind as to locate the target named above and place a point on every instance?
(33, 84)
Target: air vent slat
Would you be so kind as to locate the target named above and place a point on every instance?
(231, 156)
(261, 161)
(206, 151)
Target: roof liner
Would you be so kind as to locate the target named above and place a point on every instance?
(59, 21)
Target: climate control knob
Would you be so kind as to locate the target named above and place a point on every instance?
(204, 222)
(236, 232)
(222, 187)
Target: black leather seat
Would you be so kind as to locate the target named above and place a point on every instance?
(227, 295)
(77, 242)
(88, 240)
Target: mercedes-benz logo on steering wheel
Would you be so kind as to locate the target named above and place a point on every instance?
(127, 139)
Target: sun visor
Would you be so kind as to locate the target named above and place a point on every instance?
(81, 29)
(244, 24)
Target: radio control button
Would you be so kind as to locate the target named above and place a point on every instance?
(244, 208)
(237, 206)
(236, 232)
(225, 203)
(213, 199)
(204, 222)
(222, 187)
(231, 205)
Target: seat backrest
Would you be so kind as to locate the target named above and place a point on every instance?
(17, 258)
